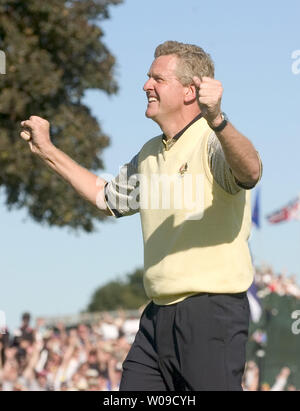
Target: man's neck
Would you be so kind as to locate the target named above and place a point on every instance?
(171, 128)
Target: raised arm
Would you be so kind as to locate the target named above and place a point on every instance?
(239, 152)
(36, 131)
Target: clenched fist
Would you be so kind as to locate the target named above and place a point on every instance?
(209, 98)
(36, 131)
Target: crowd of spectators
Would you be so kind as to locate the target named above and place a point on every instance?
(84, 358)
(81, 358)
(89, 357)
(268, 281)
(282, 284)
(251, 380)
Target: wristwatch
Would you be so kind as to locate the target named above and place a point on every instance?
(222, 125)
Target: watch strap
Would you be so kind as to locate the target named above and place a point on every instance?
(221, 126)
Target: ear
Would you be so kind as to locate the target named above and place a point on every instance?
(190, 93)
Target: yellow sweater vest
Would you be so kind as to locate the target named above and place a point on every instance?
(196, 243)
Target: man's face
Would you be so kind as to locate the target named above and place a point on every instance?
(165, 93)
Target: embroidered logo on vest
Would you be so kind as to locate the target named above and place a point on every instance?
(183, 169)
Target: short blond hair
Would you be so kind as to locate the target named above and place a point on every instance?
(193, 60)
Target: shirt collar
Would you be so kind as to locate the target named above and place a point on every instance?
(176, 137)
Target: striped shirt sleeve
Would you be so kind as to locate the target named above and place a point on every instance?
(220, 168)
(122, 192)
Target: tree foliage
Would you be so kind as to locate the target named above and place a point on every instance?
(127, 294)
(54, 53)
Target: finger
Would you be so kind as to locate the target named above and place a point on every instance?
(26, 123)
(35, 118)
(208, 94)
(197, 81)
(206, 91)
(25, 135)
(210, 80)
(209, 90)
(210, 86)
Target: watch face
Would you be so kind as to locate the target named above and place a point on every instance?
(224, 116)
(221, 126)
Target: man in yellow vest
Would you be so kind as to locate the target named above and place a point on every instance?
(191, 187)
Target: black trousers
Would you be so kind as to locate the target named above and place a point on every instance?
(198, 344)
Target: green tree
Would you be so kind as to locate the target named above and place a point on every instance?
(127, 294)
(54, 53)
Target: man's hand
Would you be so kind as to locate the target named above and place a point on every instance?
(239, 152)
(36, 132)
(209, 98)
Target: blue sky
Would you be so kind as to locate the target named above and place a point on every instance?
(50, 271)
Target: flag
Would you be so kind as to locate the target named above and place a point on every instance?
(254, 303)
(287, 213)
(256, 210)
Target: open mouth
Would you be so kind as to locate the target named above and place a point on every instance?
(152, 99)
